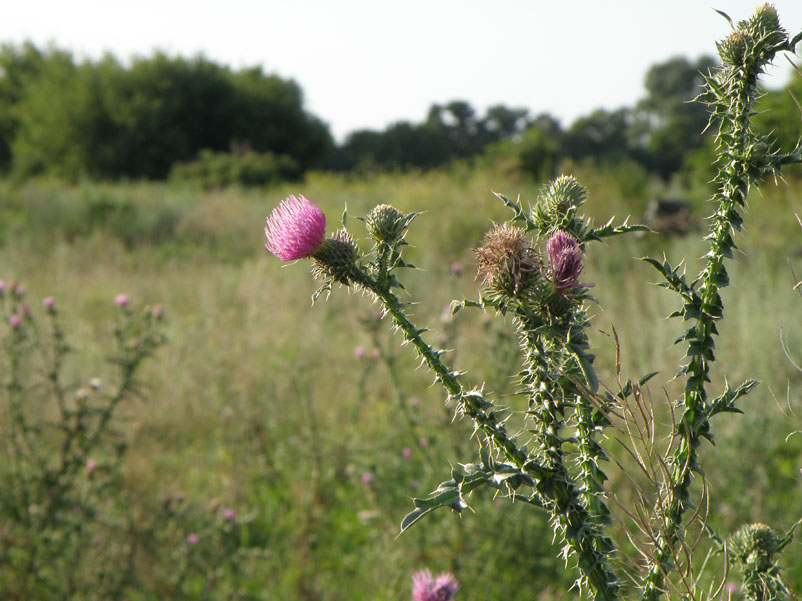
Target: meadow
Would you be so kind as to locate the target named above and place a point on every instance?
(290, 438)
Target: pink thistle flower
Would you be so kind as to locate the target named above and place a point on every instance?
(2, 287)
(456, 268)
(49, 303)
(229, 515)
(367, 478)
(359, 352)
(427, 588)
(565, 259)
(91, 466)
(406, 453)
(122, 301)
(423, 442)
(192, 538)
(14, 321)
(295, 228)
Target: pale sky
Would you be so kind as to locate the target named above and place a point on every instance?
(368, 63)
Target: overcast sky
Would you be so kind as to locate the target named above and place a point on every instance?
(368, 63)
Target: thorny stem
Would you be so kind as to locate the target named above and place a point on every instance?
(742, 162)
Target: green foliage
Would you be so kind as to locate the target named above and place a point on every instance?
(115, 122)
(224, 169)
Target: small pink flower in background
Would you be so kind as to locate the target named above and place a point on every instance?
(14, 321)
(367, 478)
(192, 538)
(2, 287)
(376, 353)
(229, 515)
(91, 466)
(24, 310)
(423, 442)
(456, 268)
(359, 352)
(565, 259)
(18, 290)
(731, 588)
(49, 303)
(122, 301)
(295, 228)
(427, 588)
(157, 311)
(406, 453)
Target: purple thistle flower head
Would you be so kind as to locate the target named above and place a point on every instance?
(565, 259)
(427, 588)
(295, 228)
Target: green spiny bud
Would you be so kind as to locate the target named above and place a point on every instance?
(385, 223)
(336, 258)
(558, 199)
(766, 20)
(732, 49)
(506, 260)
(753, 546)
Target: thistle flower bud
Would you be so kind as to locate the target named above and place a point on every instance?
(336, 257)
(558, 200)
(732, 49)
(765, 20)
(565, 260)
(506, 261)
(753, 545)
(385, 223)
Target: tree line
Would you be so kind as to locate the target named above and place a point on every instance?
(193, 118)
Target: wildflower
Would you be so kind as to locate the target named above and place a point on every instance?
(192, 538)
(406, 453)
(17, 290)
(376, 353)
(295, 228)
(427, 588)
(122, 301)
(49, 303)
(359, 352)
(25, 310)
(565, 259)
(14, 321)
(229, 515)
(366, 478)
(456, 268)
(91, 466)
(423, 442)
(2, 288)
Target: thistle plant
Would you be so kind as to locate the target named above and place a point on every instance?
(531, 272)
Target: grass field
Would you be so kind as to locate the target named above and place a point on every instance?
(259, 403)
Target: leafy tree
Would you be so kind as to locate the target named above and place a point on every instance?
(675, 124)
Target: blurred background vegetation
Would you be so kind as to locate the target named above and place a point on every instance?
(154, 179)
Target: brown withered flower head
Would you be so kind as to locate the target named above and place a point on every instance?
(506, 261)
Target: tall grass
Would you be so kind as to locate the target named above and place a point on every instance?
(240, 408)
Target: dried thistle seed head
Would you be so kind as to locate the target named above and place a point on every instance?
(336, 258)
(385, 223)
(506, 261)
(732, 49)
(753, 545)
